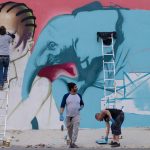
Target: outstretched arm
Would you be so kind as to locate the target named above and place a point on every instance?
(107, 130)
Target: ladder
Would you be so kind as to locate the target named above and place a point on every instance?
(109, 71)
(4, 95)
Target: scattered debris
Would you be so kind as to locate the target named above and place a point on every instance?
(29, 146)
(17, 140)
(12, 137)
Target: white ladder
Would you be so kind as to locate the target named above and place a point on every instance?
(109, 70)
(4, 95)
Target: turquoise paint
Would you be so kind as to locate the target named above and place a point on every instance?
(34, 124)
(75, 36)
(77, 29)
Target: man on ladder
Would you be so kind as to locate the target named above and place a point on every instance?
(5, 40)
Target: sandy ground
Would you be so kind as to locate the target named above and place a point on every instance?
(132, 138)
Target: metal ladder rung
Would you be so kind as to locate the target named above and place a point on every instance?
(3, 115)
(109, 79)
(4, 108)
(109, 54)
(106, 97)
(108, 70)
(110, 102)
(111, 87)
(108, 46)
(4, 91)
(2, 124)
(111, 62)
(1, 99)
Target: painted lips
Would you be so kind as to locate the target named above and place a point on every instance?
(53, 72)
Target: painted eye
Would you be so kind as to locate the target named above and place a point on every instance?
(51, 45)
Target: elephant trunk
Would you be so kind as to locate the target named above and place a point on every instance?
(29, 76)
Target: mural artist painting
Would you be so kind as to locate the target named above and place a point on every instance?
(74, 104)
(5, 40)
(77, 57)
(116, 117)
(19, 20)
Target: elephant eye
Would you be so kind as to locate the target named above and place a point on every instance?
(51, 45)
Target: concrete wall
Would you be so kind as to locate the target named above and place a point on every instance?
(66, 50)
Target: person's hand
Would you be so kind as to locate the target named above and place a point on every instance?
(106, 138)
(61, 117)
(112, 120)
(81, 107)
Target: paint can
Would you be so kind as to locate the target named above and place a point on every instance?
(6, 143)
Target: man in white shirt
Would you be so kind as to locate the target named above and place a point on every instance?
(74, 103)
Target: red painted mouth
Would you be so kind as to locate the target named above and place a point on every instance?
(53, 72)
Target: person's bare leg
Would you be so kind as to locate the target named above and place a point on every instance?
(116, 138)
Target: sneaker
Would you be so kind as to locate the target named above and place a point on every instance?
(73, 146)
(68, 142)
(115, 144)
(111, 143)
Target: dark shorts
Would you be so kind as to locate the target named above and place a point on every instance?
(116, 127)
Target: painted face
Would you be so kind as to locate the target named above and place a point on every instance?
(19, 52)
(22, 25)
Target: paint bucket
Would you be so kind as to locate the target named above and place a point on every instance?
(6, 143)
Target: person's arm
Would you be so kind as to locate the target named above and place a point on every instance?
(107, 130)
(61, 110)
(11, 35)
(63, 103)
(81, 103)
(106, 112)
(62, 107)
(109, 115)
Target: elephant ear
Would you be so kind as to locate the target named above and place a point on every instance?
(95, 6)
(89, 7)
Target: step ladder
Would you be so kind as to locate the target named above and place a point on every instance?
(109, 71)
(4, 95)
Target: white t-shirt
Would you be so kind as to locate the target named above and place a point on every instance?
(72, 103)
(5, 41)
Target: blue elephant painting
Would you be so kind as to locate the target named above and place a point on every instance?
(72, 39)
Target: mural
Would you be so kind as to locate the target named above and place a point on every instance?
(71, 40)
(67, 51)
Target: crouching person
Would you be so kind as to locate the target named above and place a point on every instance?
(116, 117)
(73, 103)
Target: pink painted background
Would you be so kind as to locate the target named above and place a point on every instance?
(44, 10)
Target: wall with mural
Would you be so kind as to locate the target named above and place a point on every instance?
(56, 43)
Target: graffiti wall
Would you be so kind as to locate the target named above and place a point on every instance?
(57, 44)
